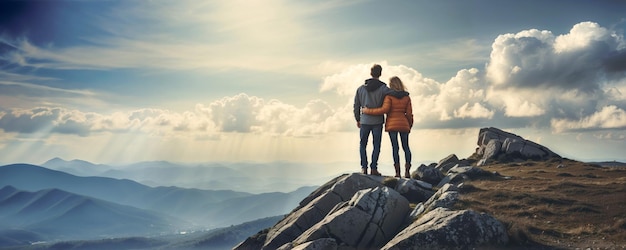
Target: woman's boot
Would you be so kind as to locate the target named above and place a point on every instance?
(397, 166)
(374, 171)
(407, 170)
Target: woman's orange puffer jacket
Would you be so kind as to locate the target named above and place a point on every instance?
(397, 106)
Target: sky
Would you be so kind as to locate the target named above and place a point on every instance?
(274, 80)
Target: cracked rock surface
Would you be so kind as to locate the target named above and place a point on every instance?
(318, 205)
(370, 219)
(443, 228)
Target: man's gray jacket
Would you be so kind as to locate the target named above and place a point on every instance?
(371, 95)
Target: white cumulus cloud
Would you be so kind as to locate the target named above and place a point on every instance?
(461, 97)
(609, 117)
(556, 78)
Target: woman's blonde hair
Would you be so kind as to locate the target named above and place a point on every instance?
(396, 84)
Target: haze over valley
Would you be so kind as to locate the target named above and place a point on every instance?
(50, 205)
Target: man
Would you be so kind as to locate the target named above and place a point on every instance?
(371, 95)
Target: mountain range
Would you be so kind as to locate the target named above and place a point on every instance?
(57, 214)
(37, 203)
(243, 177)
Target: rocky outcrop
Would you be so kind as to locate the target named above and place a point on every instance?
(357, 211)
(428, 174)
(414, 190)
(443, 228)
(370, 219)
(317, 207)
(373, 217)
(447, 163)
(445, 197)
(495, 144)
(459, 173)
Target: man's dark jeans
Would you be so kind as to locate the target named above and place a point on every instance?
(377, 131)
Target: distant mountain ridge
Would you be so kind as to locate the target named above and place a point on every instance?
(76, 167)
(209, 208)
(610, 164)
(243, 177)
(58, 214)
(37, 203)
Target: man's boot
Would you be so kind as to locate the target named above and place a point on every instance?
(363, 170)
(407, 170)
(397, 166)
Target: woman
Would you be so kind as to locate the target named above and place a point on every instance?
(397, 106)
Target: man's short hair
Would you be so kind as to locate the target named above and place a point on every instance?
(376, 70)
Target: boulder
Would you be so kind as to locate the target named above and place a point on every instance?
(453, 178)
(429, 174)
(414, 190)
(443, 228)
(317, 206)
(497, 144)
(370, 219)
(445, 197)
(459, 174)
(447, 163)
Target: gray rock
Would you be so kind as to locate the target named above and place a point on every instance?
(446, 163)
(370, 219)
(511, 145)
(482, 162)
(417, 211)
(445, 197)
(446, 229)
(531, 150)
(414, 190)
(319, 244)
(494, 142)
(424, 185)
(455, 175)
(307, 215)
(444, 181)
(453, 178)
(492, 149)
(446, 200)
(429, 174)
(459, 169)
(470, 172)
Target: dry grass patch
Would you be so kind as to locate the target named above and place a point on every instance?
(554, 204)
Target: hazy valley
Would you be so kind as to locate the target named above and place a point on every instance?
(39, 204)
(244, 177)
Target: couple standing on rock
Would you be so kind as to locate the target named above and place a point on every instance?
(373, 99)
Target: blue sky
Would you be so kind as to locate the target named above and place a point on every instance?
(202, 81)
